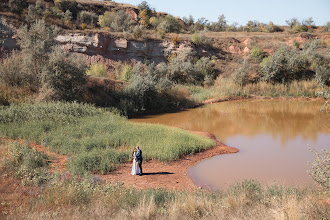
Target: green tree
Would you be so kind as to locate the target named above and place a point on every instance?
(36, 42)
(64, 75)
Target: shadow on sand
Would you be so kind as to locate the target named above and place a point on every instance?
(158, 173)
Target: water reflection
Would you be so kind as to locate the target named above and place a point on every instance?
(272, 135)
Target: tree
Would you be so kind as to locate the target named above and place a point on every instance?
(36, 43)
(144, 18)
(64, 75)
(144, 6)
(221, 25)
(292, 22)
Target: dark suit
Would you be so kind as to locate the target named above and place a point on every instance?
(139, 159)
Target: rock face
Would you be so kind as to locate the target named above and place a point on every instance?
(114, 48)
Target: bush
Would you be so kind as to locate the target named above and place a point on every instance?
(68, 5)
(322, 75)
(175, 40)
(326, 27)
(271, 27)
(119, 21)
(87, 17)
(201, 40)
(320, 170)
(284, 66)
(241, 75)
(250, 188)
(256, 54)
(299, 28)
(27, 164)
(97, 69)
(144, 18)
(12, 74)
(295, 44)
(36, 42)
(17, 6)
(35, 12)
(170, 24)
(138, 32)
(64, 74)
(126, 72)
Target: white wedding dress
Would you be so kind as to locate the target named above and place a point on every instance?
(135, 169)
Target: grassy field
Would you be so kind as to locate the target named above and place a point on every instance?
(61, 196)
(98, 140)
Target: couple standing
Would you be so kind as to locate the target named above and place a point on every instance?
(137, 161)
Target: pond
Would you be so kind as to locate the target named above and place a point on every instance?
(274, 138)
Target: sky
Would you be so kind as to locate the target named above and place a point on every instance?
(241, 11)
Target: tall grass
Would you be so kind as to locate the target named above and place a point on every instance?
(225, 88)
(99, 139)
(88, 199)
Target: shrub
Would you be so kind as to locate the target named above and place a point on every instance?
(139, 96)
(119, 21)
(87, 17)
(256, 54)
(326, 27)
(27, 164)
(241, 75)
(11, 73)
(65, 5)
(126, 73)
(97, 69)
(271, 27)
(295, 44)
(35, 12)
(322, 75)
(320, 170)
(64, 74)
(201, 40)
(138, 31)
(299, 28)
(17, 6)
(284, 66)
(169, 25)
(175, 39)
(36, 42)
(144, 18)
(250, 188)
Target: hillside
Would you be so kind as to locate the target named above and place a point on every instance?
(117, 41)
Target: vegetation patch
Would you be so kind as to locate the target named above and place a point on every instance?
(99, 139)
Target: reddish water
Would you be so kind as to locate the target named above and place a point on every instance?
(273, 137)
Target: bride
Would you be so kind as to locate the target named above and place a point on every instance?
(135, 169)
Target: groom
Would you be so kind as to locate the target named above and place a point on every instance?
(139, 159)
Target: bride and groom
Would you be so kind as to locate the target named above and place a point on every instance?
(137, 162)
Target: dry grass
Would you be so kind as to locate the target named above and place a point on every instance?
(119, 203)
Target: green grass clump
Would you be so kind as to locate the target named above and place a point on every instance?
(27, 164)
(99, 140)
